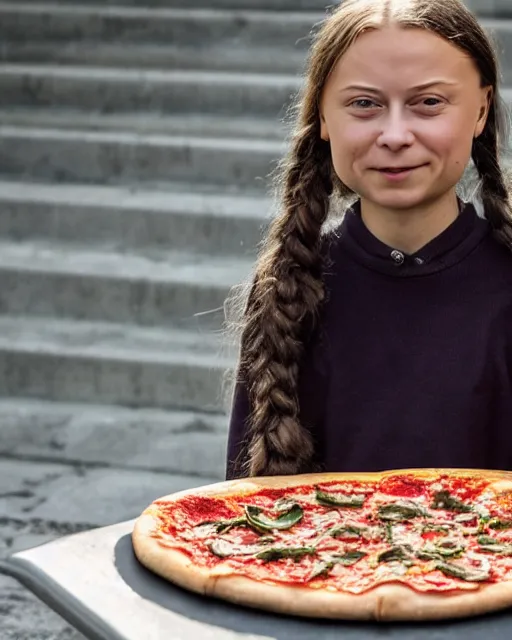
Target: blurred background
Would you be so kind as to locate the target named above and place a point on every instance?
(136, 141)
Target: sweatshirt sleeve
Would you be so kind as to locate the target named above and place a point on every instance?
(238, 430)
(500, 440)
(312, 386)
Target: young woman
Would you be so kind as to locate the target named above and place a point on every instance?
(387, 341)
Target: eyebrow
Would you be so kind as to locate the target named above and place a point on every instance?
(425, 85)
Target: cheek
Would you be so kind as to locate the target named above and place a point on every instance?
(449, 141)
(349, 143)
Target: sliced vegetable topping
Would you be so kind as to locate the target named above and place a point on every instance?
(221, 526)
(439, 528)
(402, 553)
(443, 500)
(469, 574)
(349, 558)
(257, 519)
(345, 531)
(440, 550)
(277, 553)
(491, 545)
(400, 511)
(353, 532)
(322, 567)
(496, 523)
(225, 549)
(339, 499)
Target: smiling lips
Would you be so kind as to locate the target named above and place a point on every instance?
(398, 169)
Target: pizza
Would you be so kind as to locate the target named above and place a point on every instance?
(410, 544)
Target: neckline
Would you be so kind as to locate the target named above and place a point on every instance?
(443, 251)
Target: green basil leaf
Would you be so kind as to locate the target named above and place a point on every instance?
(463, 573)
(349, 558)
(443, 500)
(398, 552)
(489, 544)
(497, 549)
(400, 511)
(322, 567)
(496, 523)
(440, 550)
(277, 553)
(285, 520)
(347, 531)
(222, 527)
(438, 528)
(339, 499)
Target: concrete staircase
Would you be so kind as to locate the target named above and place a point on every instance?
(135, 145)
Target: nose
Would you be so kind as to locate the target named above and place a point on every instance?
(395, 130)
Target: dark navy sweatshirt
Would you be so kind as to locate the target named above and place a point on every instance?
(411, 364)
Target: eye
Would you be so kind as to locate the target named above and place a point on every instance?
(430, 102)
(363, 103)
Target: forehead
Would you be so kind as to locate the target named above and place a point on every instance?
(398, 56)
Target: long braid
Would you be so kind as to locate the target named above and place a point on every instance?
(494, 192)
(287, 290)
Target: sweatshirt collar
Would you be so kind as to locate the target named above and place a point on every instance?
(445, 250)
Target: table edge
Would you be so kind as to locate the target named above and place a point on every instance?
(58, 599)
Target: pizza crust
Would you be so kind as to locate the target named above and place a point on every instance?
(385, 602)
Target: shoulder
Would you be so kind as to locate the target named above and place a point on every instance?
(497, 261)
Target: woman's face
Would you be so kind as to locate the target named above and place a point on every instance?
(402, 99)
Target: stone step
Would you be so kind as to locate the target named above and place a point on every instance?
(110, 90)
(81, 156)
(155, 56)
(103, 363)
(145, 122)
(482, 7)
(106, 436)
(251, 40)
(495, 8)
(130, 219)
(155, 287)
(183, 27)
(263, 5)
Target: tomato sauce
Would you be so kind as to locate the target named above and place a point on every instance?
(465, 488)
(405, 485)
(194, 510)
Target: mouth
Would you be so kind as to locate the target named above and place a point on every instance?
(398, 170)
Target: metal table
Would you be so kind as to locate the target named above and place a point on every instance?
(95, 582)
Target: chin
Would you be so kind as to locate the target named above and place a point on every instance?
(398, 201)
